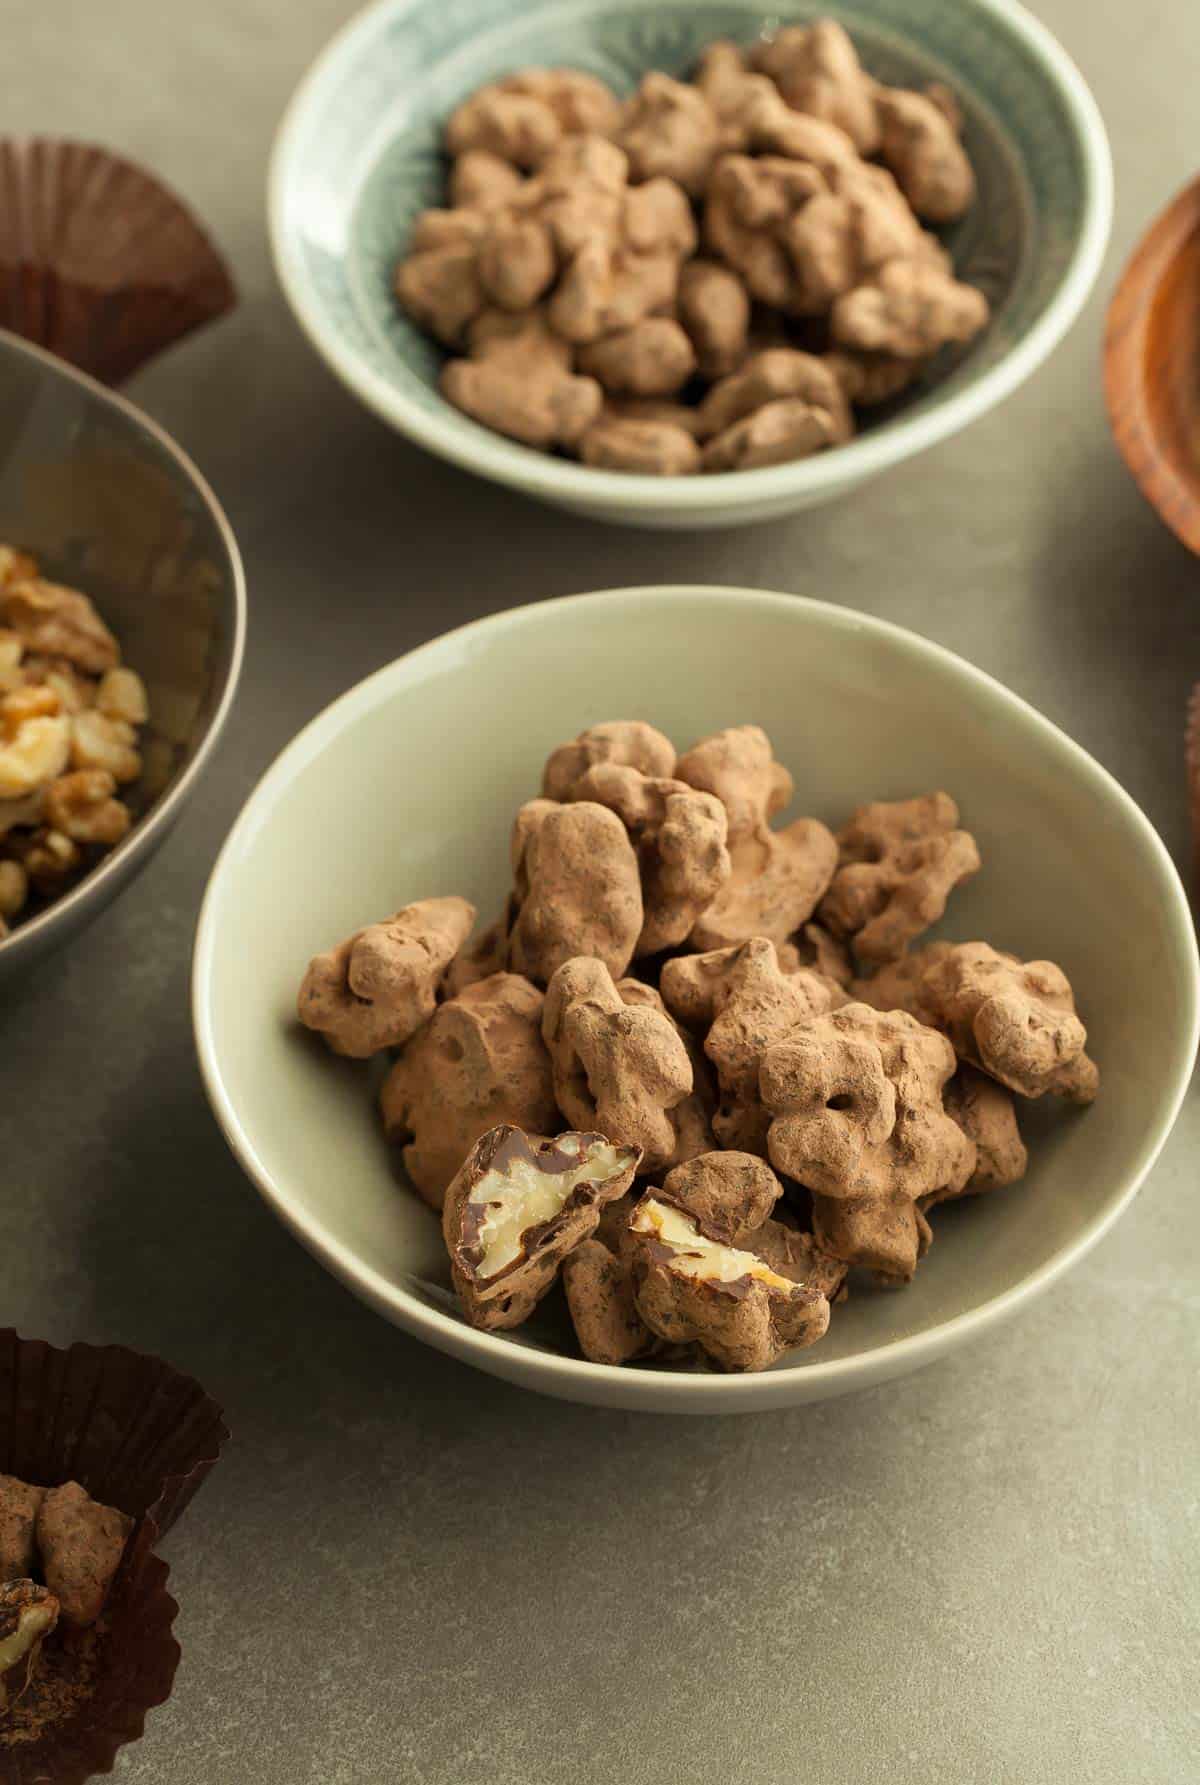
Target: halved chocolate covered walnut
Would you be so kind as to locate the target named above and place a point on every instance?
(690, 1286)
(517, 1207)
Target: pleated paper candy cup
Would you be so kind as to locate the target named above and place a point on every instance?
(99, 261)
(138, 1436)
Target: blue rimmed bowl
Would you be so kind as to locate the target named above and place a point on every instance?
(357, 158)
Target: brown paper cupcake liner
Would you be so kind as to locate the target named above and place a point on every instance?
(99, 262)
(138, 1436)
(118, 1673)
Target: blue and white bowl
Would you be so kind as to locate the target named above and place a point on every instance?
(357, 157)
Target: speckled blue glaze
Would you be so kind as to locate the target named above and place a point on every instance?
(360, 155)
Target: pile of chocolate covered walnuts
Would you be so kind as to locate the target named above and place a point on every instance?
(697, 1070)
(709, 276)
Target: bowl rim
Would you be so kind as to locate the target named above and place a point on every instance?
(554, 1372)
(1127, 375)
(108, 875)
(492, 455)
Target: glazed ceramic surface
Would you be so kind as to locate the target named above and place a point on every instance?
(107, 503)
(358, 157)
(410, 781)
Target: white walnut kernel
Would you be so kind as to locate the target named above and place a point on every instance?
(98, 742)
(122, 695)
(524, 1196)
(82, 806)
(35, 752)
(693, 1254)
(75, 692)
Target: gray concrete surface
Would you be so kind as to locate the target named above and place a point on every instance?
(403, 1570)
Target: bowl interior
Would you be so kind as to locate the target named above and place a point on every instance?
(406, 788)
(360, 158)
(108, 505)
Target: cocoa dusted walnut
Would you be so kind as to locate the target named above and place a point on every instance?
(653, 358)
(375, 989)
(481, 957)
(440, 289)
(773, 435)
(619, 1068)
(714, 308)
(691, 1287)
(814, 946)
(515, 126)
(679, 836)
(28, 1614)
(817, 71)
(518, 381)
(778, 876)
(796, 1253)
(1014, 1020)
(598, 1284)
(81, 1544)
(868, 379)
(482, 181)
(898, 863)
(767, 378)
(479, 1061)
(734, 1197)
(670, 130)
(19, 1506)
(987, 1115)
(578, 887)
(909, 309)
(579, 101)
(740, 1000)
(649, 448)
(729, 1194)
(897, 984)
(692, 1117)
(856, 1098)
(517, 1208)
(627, 743)
(919, 142)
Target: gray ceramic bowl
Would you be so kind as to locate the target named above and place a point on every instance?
(411, 779)
(107, 502)
(358, 156)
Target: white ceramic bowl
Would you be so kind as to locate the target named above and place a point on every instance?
(358, 156)
(406, 786)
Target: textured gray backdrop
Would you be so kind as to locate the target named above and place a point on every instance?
(406, 1571)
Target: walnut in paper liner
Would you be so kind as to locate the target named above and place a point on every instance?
(138, 1436)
